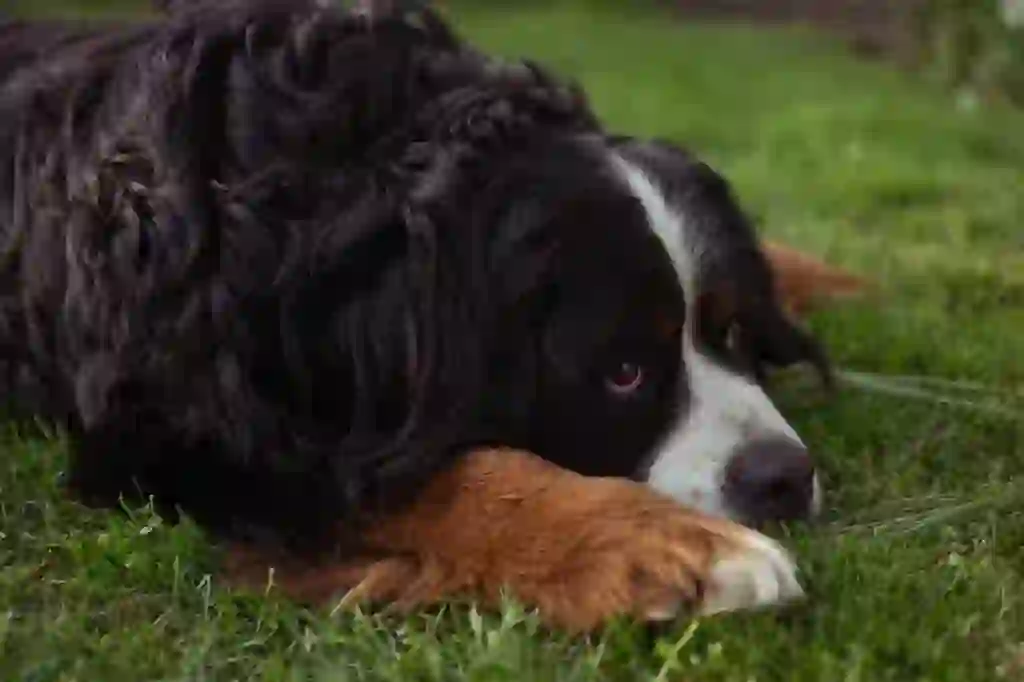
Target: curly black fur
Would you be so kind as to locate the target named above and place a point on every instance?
(219, 249)
(246, 254)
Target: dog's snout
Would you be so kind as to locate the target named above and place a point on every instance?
(771, 480)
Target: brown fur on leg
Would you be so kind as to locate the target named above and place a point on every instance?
(802, 281)
(581, 550)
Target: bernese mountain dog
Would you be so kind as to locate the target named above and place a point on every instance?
(398, 319)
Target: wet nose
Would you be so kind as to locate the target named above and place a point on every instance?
(771, 480)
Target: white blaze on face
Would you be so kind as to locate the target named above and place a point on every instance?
(726, 410)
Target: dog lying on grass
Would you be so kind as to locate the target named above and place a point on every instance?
(400, 319)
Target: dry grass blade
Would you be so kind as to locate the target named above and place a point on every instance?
(917, 514)
(994, 403)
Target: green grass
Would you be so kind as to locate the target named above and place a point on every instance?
(916, 571)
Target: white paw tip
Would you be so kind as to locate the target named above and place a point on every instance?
(759, 573)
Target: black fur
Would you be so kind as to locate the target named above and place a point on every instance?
(275, 264)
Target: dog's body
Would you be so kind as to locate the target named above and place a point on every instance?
(294, 271)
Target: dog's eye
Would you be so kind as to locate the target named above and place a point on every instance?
(625, 379)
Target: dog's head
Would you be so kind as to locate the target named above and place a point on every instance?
(638, 316)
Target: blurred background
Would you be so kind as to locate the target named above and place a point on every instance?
(975, 45)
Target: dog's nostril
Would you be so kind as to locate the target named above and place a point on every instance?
(771, 480)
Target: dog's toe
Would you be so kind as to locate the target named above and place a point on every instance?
(756, 572)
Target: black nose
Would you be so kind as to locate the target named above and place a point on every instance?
(771, 480)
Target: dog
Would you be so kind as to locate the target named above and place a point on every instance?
(401, 320)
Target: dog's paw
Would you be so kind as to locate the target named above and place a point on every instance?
(581, 551)
(757, 572)
(637, 554)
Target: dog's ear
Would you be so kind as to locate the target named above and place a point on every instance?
(803, 281)
(768, 331)
(744, 316)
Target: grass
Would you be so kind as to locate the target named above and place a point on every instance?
(915, 573)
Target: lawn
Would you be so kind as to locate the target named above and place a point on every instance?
(916, 571)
